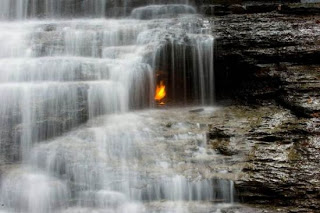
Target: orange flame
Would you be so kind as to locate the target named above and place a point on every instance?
(160, 92)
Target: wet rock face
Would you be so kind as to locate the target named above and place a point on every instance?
(301, 89)
(285, 174)
(278, 153)
(275, 57)
(284, 170)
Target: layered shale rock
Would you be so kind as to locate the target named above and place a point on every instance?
(271, 54)
(273, 57)
(277, 158)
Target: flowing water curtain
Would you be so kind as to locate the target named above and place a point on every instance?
(22, 9)
(45, 96)
(188, 79)
(58, 74)
(67, 8)
(203, 57)
(13, 9)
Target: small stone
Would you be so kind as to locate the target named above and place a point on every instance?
(197, 110)
(215, 133)
(169, 125)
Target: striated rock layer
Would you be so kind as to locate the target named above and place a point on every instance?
(271, 56)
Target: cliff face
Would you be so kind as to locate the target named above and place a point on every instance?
(281, 51)
(267, 61)
(270, 56)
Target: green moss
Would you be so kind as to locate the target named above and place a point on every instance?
(305, 5)
(249, 166)
(293, 155)
(216, 144)
(252, 154)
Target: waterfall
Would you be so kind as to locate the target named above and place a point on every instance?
(22, 9)
(71, 82)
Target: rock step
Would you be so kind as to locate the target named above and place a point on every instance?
(71, 68)
(250, 7)
(161, 11)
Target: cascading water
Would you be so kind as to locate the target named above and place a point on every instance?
(58, 74)
(22, 9)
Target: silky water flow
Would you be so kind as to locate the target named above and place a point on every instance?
(79, 128)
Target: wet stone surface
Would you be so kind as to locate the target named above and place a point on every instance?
(280, 155)
(182, 149)
(275, 59)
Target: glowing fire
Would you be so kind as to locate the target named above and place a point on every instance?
(160, 92)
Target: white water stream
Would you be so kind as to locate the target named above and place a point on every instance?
(60, 73)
